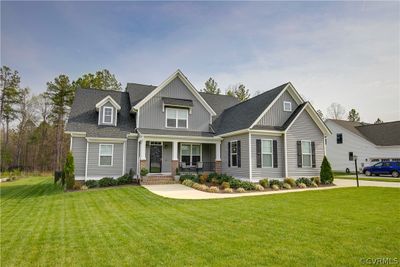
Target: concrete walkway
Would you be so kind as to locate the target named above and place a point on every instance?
(179, 191)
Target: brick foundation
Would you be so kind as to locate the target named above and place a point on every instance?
(174, 165)
(218, 166)
(143, 164)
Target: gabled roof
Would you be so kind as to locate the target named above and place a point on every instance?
(244, 114)
(84, 117)
(219, 102)
(138, 91)
(105, 100)
(382, 134)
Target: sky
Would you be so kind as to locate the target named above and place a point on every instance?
(343, 52)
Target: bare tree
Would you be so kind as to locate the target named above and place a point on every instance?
(336, 111)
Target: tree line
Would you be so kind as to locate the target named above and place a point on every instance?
(32, 126)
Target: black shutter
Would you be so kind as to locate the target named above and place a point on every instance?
(258, 152)
(275, 153)
(229, 154)
(313, 154)
(239, 161)
(299, 159)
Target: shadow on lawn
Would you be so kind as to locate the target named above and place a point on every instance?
(29, 191)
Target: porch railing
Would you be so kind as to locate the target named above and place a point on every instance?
(199, 167)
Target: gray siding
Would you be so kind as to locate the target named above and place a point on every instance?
(79, 153)
(107, 104)
(242, 172)
(96, 171)
(166, 157)
(260, 173)
(275, 116)
(152, 116)
(131, 155)
(208, 152)
(304, 128)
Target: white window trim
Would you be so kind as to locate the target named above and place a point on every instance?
(191, 152)
(112, 155)
(302, 154)
(272, 154)
(176, 118)
(234, 141)
(284, 106)
(112, 115)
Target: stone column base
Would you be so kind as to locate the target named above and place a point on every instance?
(218, 166)
(143, 164)
(174, 166)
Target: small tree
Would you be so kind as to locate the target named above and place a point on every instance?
(326, 172)
(211, 87)
(378, 121)
(353, 115)
(69, 170)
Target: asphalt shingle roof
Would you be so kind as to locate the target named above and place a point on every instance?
(242, 115)
(84, 117)
(138, 91)
(219, 102)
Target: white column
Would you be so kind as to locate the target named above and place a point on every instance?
(143, 149)
(218, 150)
(175, 150)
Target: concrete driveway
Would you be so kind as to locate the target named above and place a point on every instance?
(179, 191)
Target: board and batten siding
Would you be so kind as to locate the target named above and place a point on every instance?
(152, 115)
(275, 116)
(108, 104)
(131, 155)
(79, 154)
(95, 171)
(260, 173)
(237, 172)
(304, 128)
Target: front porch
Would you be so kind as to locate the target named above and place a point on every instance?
(161, 156)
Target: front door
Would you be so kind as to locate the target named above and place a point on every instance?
(155, 157)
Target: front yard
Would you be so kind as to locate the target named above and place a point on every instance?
(41, 225)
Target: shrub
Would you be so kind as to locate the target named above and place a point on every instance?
(235, 183)
(287, 186)
(303, 180)
(77, 186)
(69, 170)
(326, 172)
(188, 182)
(314, 184)
(224, 178)
(214, 181)
(143, 172)
(259, 187)
(124, 179)
(275, 187)
(225, 185)
(240, 190)
(203, 178)
(290, 181)
(203, 187)
(107, 181)
(247, 185)
(264, 182)
(196, 186)
(84, 187)
(228, 190)
(301, 185)
(212, 175)
(213, 189)
(278, 183)
(316, 180)
(92, 183)
(188, 177)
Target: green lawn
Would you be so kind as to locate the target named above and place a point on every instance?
(381, 179)
(42, 226)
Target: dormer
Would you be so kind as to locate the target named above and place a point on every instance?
(107, 110)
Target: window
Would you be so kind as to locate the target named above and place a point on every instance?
(106, 154)
(190, 154)
(266, 153)
(287, 106)
(177, 118)
(339, 138)
(306, 153)
(234, 153)
(108, 114)
(351, 157)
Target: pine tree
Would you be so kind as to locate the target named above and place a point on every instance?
(69, 171)
(326, 173)
(353, 115)
(378, 121)
(239, 91)
(211, 87)
(102, 80)
(61, 95)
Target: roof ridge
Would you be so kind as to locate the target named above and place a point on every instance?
(377, 124)
(101, 90)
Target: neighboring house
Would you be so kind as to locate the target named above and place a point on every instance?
(369, 142)
(173, 126)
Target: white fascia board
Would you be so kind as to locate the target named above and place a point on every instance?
(76, 134)
(267, 132)
(243, 131)
(105, 100)
(132, 136)
(178, 73)
(105, 139)
(293, 93)
(169, 138)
